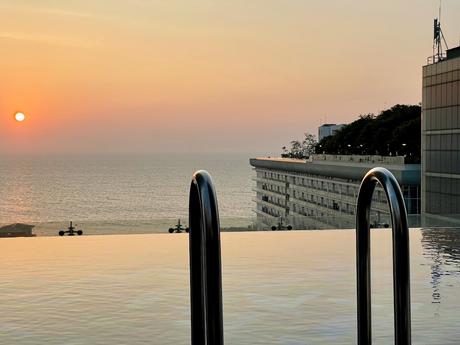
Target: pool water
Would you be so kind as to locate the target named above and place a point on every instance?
(293, 287)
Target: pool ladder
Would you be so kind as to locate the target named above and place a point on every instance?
(206, 272)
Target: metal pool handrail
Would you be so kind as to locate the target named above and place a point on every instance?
(205, 263)
(401, 269)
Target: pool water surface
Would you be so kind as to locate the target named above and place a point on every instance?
(294, 287)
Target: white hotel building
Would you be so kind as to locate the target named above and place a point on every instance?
(321, 192)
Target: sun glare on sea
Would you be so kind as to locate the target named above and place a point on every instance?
(19, 117)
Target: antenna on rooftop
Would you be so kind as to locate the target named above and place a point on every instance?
(438, 38)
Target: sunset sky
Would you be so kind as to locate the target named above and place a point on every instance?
(204, 75)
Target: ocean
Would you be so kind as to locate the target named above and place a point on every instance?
(117, 194)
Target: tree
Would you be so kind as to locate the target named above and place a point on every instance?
(300, 149)
(285, 151)
(395, 131)
(296, 149)
(309, 145)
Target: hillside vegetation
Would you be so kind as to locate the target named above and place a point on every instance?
(395, 131)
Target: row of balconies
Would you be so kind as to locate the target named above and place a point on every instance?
(319, 191)
(337, 207)
(265, 211)
(332, 202)
(302, 179)
(317, 208)
(270, 181)
(378, 195)
(349, 199)
(278, 206)
(269, 192)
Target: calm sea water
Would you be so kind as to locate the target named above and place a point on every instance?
(279, 288)
(119, 193)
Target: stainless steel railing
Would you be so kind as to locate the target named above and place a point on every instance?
(205, 263)
(401, 267)
(206, 273)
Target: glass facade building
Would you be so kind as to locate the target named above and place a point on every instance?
(441, 137)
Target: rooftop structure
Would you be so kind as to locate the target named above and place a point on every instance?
(328, 129)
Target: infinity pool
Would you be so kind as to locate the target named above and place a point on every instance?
(279, 288)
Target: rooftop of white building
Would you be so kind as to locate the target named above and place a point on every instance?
(342, 166)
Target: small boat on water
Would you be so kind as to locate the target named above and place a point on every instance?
(71, 231)
(178, 228)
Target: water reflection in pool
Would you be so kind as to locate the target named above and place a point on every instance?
(442, 248)
(279, 288)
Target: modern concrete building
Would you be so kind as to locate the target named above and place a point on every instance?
(321, 192)
(328, 129)
(441, 138)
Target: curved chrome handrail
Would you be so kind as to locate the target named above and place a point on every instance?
(205, 263)
(401, 266)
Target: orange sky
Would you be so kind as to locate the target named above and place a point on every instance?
(204, 75)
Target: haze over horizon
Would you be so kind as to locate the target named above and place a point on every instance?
(202, 76)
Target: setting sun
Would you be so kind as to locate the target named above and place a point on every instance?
(19, 117)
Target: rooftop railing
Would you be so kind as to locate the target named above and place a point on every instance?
(435, 58)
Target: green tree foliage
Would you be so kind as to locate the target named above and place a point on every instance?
(395, 131)
(301, 149)
(309, 144)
